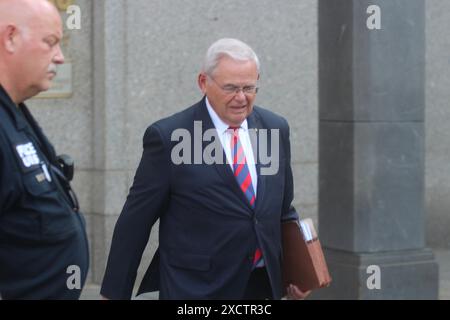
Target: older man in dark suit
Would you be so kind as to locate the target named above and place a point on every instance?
(220, 221)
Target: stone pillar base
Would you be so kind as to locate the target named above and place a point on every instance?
(407, 274)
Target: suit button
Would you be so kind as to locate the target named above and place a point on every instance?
(256, 221)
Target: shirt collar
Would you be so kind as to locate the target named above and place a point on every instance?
(221, 126)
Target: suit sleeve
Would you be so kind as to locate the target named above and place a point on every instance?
(288, 212)
(147, 199)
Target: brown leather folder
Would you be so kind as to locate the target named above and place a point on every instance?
(304, 264)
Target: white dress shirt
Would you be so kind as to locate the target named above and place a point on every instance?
(225, 139)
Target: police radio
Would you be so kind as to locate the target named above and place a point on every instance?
(67, 166)
(64, 172)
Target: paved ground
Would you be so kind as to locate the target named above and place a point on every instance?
(443, 257)
(91, 292)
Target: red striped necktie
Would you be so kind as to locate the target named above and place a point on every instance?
(244, 179)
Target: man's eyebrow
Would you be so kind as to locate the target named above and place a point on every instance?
(53, 38)
(236, 86)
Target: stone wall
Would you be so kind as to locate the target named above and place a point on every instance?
(135, 62)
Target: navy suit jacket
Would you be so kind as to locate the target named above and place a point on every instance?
(208, 231)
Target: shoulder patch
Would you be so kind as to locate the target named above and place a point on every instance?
(27, 152)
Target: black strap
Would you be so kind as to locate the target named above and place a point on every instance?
(67, 189)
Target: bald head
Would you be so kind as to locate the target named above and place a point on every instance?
(21, 12)
(30, 33)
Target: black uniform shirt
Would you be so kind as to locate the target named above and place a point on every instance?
(41, 236)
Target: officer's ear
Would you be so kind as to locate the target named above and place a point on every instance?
(9, 38)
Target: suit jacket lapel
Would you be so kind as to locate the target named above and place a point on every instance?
(224, 169)
(254, 125)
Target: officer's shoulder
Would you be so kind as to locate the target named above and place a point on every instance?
(3, 142)
(2, 132)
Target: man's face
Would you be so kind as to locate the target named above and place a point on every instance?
(39, 53)
(232, 107)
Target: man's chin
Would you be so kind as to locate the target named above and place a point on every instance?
(38, 90)
(45, 86)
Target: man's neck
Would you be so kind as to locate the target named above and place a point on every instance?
(10, 92)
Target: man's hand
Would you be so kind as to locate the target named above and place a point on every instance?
(294, 293)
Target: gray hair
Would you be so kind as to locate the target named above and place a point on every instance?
(232, 48)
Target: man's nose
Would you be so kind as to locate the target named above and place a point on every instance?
(59, 57)
(240, 95)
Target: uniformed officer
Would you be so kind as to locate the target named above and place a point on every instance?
(43, 244)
